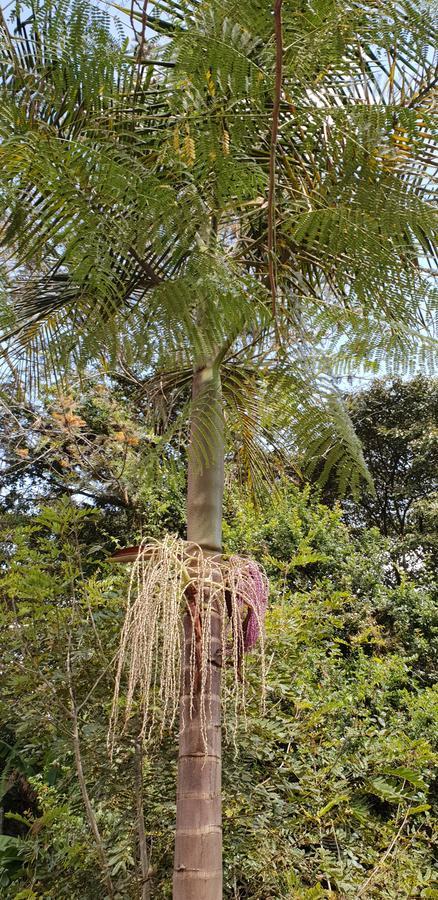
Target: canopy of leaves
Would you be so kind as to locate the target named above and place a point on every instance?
(397, 423)
(135, 191)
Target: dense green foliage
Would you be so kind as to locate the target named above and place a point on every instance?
(397, 423)
(332, 792)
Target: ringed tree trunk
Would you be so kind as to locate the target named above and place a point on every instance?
(198, 839)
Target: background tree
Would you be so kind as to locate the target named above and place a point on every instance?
(396, 422)
(97, 444)
(135, 215)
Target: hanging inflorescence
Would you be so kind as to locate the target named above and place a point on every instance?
(170, 580)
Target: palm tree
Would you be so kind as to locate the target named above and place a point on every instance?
(241, 205)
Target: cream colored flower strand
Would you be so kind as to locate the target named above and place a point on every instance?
(169, 577)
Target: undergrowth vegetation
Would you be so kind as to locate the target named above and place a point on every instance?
(332, 793)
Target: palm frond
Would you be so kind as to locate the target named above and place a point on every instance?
(134, 200)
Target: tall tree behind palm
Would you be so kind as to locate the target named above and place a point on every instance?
(243, 205)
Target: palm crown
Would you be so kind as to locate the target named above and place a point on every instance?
(137, 187)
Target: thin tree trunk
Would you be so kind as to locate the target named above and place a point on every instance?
(92, 821)
(198, 843)
(145, 890)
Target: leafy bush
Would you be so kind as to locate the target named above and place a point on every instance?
(332, 793)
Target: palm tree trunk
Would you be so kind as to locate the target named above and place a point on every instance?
(198, 843)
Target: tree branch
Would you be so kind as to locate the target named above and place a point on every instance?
(83, 787)
(382, 859)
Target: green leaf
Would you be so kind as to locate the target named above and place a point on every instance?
(407, 775)
(16, 817)
(416, 810)
(385, 790)
(341, 798)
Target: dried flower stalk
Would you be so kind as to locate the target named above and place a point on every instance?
(168, 579)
